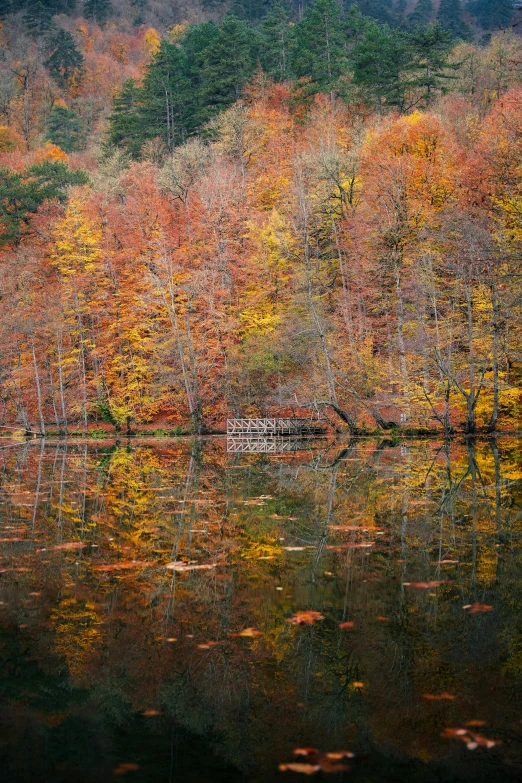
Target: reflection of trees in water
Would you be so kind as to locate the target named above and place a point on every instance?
(151, 504)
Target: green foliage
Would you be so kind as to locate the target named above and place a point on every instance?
(22, 194)
(450, 18)
(100, 10)
(64, 128)
(422, 13)
(278, 38)
(38, 19)
(430, 47)
(65, 61)
(227, 64)
(491, 13)
(319, 51)
(381, 62)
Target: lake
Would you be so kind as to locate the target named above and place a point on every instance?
(177, 611)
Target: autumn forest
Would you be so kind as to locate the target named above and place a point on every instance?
(210, 210)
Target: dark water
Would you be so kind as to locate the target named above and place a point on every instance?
(395, 539)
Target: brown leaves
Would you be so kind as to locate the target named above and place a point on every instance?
(305, 618)
(472, 740)
(424, 585)
(476, 608)
(438, 696)
(317, 761)
(68, 546)
(180, 566)
(123, 565)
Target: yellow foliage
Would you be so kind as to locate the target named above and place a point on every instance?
(9, 139)
(152, 40)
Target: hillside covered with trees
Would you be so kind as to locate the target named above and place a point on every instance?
(212, 208)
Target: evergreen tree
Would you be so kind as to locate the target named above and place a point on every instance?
(64, 128)
(319, 46)
(380, 10)
(450, 18)
(491, 13)
(65, 60)
(38, 19)
(250, 9)
(422, 13)
(22, 194)
(430, 47)
(164, 110)
(100, 10)
(125, 122)
(277, 39)
(381, 61)
(227, 64)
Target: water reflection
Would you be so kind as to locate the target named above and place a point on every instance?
(148, 590)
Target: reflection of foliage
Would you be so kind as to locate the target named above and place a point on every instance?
(78, 635)
(381, 516)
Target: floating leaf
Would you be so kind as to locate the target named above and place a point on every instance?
(151, 713)
(304, 769)
(424, 585)
(249, 632)
(181, 566)
(438, 696)
(305, 751)
(347, 624)
(123, 565)
(476, 608)
(305, 618)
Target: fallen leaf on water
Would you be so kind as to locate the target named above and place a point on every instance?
(68, 545)
(180, 566)
(471, 739)
(35, 594)
(151, 713)
(204, 646)
(172, 639)
(475, 723)
(445, 562)
(123, 565)
(249, 632)
(20, 570)
(341, 754)
(423, 585)
(438, 696)
(381, 618)
(305, 751)
(305, 769)
(475, 608)
(125, 767)
(305, 618)
(347, 624)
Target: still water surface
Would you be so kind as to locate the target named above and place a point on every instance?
(173, 612)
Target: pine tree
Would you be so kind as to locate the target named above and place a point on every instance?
(319, 46)
(450, 18)
(38, 19)
(491, 13)
(64, 128)
(228, 63)
(430, 47)
(422, 13)
(65, 60)
(100, 10)
(277, 38)
(380, 65)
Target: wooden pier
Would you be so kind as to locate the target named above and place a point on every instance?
(273, 428)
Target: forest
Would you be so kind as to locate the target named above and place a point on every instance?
(248, 208)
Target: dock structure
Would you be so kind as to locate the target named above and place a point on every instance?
(273, 428)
